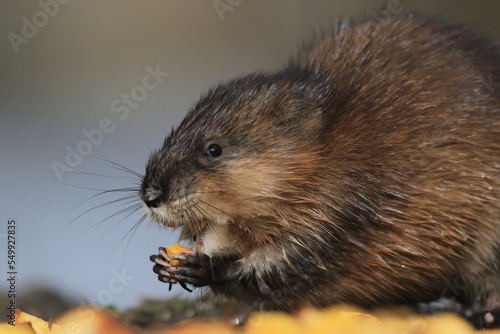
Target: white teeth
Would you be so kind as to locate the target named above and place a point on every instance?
(213, 238)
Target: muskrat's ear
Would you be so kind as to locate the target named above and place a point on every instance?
(299, 110)
(303, 116)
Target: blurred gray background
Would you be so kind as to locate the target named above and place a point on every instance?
(67, 65)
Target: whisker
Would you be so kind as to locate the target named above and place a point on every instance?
(129, 210)
(104, 192)
(256, 197)
(95, 208)
(205, 192)
(208, 217)
(192, 215)
(164, 112)
(131, 232)
(204, 213)
(216, 208)
(129, 200)
(129, 178)
(132, 209)
(120, 167)
(128, 203)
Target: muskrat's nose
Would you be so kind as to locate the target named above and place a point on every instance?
(152, 198)
(153, 203)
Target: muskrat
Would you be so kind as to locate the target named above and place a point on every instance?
(366, 171)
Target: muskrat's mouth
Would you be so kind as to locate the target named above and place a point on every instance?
(193, 231)
(200, 233)
(198, 227)
(214, 239)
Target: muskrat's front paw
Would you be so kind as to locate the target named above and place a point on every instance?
(160, 268)
(195, 268)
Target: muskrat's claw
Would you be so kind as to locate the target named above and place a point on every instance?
(160, 268)
(486, 319)
(197, 270)
(193, 259)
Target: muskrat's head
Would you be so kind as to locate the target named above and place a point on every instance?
(243, 155)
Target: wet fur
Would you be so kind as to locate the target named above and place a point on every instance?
(367, 171)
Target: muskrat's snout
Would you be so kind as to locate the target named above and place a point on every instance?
(151, 191)
(167, 190)
(151, 197)
(154, 191)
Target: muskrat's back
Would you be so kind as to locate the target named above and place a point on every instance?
(367, 171)
(415, 138)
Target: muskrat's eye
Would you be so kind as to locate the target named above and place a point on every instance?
(214, 151)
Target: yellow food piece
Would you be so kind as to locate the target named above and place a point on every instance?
(344, 320)
(272, 323)
(38, 325)
(339, 320)
(173, 250)
(198, 327)
(90, 320)
(86, 320)
(6, 328)
(333, 320)
(448, 323)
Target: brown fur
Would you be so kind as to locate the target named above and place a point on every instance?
(367, 171)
